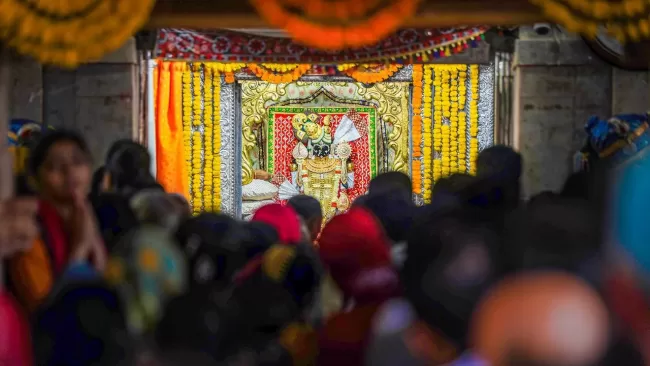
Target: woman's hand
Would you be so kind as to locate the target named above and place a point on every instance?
(86, 241)
(18, 226)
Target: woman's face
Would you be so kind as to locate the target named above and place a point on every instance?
(65, 172)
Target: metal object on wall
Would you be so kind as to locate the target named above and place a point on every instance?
(486, 106)
(230, 150)
(503, 84)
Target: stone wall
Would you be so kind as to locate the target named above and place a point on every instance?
(99, 99)
(559, 84)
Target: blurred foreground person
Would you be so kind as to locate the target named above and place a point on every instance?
(452, 259)
(128, 168)
(309, 209)
(354, 248)
(61, 167)
(18, 227)
(541, 318)
(502, 167)
(283, 219)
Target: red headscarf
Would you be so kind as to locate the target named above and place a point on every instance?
(356, 251)
(283, 219)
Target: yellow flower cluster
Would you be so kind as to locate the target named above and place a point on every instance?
(201, 108)
(473, 118)
(187, 120)
(208, 133)
(223, 67)
(70, 32)
(197, 145)
(437, 123)
(427, 134)
(450, 120)
(216, 147)
(281, 67)
(445, 153)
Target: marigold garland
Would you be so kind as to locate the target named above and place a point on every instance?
(453, 120)
(224, 67)
(187, 123)
(462, 118)
(427, 152)
(446, 114)
(216, 147)
(208, 137)
(369, 74)
(282, 68)
(349, 24)
(437, 123)
(473, 118)
(417, 137)
(197, 145)
(272, 77)
(626, 20)
(68, 32)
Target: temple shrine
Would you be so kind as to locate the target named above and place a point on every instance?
(245, 118)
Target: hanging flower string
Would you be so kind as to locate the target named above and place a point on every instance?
(453, 120)
(370, 74)
(187, 124)
(197, 144)
(273, 77)
(473, 118)
(68, 32)
(427, 152)
(462, 118)
(208, 138)
(416, 134)
(337, 25)
(216, 148)
(626, 20)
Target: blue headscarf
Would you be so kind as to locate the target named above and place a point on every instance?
(621, 142)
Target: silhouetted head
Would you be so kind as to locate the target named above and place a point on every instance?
(309, 209)
(390, 182)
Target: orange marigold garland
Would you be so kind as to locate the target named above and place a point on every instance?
(372, 73)
(337, 25)
(270, 76)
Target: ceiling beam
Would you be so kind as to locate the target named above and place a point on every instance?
(210, 14)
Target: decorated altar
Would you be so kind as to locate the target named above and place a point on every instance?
(238, 124)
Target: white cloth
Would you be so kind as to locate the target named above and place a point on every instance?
(258, 190)
(346, 131)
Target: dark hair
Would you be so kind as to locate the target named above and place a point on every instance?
(306, 207)
(577, 185)
(443, 295)
(39, 153)
(500, 162)
(117, 146)
(129, 168)
(394, 210)
(390, 181)
(96, 184)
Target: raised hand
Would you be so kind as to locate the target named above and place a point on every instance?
(86, 241)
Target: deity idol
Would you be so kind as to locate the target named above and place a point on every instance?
(321, 165)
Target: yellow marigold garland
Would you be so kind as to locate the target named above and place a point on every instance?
(369, 74)
(223, 67)
(446, 114)
(216, 147)
(626, 20)
(272, 77)
(281, 67)
(462, 118)
(208, 134)
(417, 137)
(473, 118)
(67, 32)
(453, 120)
(187, 122)
(437, 122)
(427, 152)
(197, 145)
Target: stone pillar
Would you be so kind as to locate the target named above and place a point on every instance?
(559, 84)
(98, 99)
(26, 89)
(630, 91)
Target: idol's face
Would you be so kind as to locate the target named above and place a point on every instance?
(321, 150)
